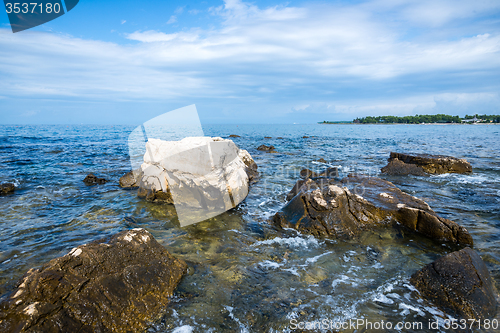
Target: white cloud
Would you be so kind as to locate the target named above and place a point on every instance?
(262, 54)
(123, 21)
(179, 10)
(172, 19)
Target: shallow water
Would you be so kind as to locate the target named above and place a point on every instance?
(243, 274)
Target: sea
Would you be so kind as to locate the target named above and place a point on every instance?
(244, 275)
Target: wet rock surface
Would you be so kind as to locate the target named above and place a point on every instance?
(6, 188)
(342, 209)
(92, 179)
(460, 284)
(266, 148)
(234, 136)
(131, 179)
(120, 284)
(421, 164)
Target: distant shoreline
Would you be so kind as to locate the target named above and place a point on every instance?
(461, 124)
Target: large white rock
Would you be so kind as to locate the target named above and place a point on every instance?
(205, 176)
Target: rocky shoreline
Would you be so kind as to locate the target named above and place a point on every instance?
(99, 285)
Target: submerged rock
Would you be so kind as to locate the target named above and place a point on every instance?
(234, 136)
(91, 179)
(326, 207)
(115, 285)
(6, 188)
(420, 164)
(460, 284)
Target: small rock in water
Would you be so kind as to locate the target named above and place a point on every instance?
(91, 179)
(322, 160)
(265, 148)
(305, 137)
(234, 136)
(131, 179)
(267, 137)
(6, 188)
(116, 285)
(460, 284)
(419, 164)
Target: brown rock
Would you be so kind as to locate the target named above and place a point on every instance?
(418, 164)
(91, 179)
(305, 137)
(268, 137)
(6, 188)
(460, 284)
(115, 285)
(265, 148)
(396, 167)
(157, 196)
(322, 160)
(234, 136)
(324, 206)
(131, 179)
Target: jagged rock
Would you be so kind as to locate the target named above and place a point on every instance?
(6, 188)
(265, 148)
(115, 285)
(460, 284)
(131, 179)
(326, 207)
(321, 160)
(419, 164)
(199, 175)
(234, 136)
(251, 166)
(91, 179)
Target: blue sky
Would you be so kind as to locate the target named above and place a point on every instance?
(123, 62)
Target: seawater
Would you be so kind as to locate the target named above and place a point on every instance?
(245, 276)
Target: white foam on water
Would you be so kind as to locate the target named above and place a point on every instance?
(269, 264)
(383, 299)
(343, 279)
(314, 259)
(183, 329)
(406, 309)
(243, 328)
(463, 179)
(292, 315)
(292, 270)
(296, 242)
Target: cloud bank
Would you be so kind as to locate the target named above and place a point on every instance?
(293, 63)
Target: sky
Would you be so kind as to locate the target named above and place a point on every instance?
(124, 62)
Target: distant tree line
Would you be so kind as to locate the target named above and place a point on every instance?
(418, 119)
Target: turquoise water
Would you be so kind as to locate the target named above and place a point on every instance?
(244, 275)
